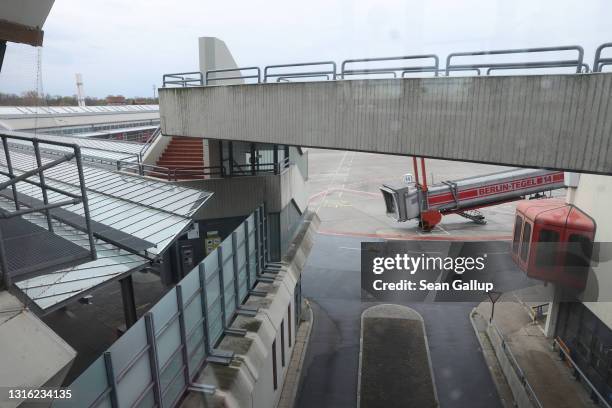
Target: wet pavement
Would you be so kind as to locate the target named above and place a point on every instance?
(331, 280)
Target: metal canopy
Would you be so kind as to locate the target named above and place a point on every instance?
(91, 149)
(128, 213)
(54, 290)
(32, 249)
(153, 211)
(101, 231)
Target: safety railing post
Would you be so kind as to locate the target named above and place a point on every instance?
(204, 300)
(84, 202)
(257, 232)
(153, 362)
(235, 268)
(183, 332)
(247, 253)
(266, 238)
(43, 186)
(222, 285)
(111, 379)
(9, 167)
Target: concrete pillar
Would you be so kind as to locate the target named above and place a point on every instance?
(214, 54)
(553, 312)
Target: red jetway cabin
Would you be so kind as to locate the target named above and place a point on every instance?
(553, 242)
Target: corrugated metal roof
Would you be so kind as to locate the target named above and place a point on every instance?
(110, 150)
(11, 111)
(151, 210)
(54, 289)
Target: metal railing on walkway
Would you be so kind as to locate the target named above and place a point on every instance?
(327, 70)
(600, 61)
(194, 78)
(579, 374)
(26, 177)
(149, 142)
(200, 172)
(160, 357)
(516, 367)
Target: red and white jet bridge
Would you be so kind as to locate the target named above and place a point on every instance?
(429, 203)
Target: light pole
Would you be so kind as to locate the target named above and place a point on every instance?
(493, 297)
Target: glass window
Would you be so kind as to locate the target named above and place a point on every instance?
(517, 233)
(546, 250)
(578, 254)
(526, 241)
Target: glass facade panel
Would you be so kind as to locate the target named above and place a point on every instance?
(134, 382)
(168, 342)
(129, 354)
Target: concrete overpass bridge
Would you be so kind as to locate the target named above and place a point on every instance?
(554, 120)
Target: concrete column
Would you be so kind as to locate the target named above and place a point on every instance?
(553, 312)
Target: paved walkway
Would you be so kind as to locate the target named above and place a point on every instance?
(550, 378)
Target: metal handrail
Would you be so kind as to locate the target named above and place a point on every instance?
(443, 70)
(582, 375)
(423, 68)
(599, 62)
(371, 73)
(170, 174)
(150, 140)
(208, 79)
(286, 79)
(578, 63)
(183, 79)
(517, 368)
(584, 68)
(331, 72)
(525, 65)
(39, 171)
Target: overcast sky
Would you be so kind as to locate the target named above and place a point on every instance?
(124, 47)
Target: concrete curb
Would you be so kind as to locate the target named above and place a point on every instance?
(503, 389)
(431, 371)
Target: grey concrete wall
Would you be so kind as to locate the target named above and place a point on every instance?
(554, 121)
(521, 396)
(235, 196)
(214, 54)
(248, 381)
(156, 150)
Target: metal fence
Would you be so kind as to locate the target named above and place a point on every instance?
(402, 66)
(596, 396)
(530, 393)
(157, 360)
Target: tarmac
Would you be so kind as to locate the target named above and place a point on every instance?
(550, 378)
(344, 190)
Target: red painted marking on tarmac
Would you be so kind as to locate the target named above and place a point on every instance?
(415, 237)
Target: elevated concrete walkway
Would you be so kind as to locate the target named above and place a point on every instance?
(551, 380)
(552, 121)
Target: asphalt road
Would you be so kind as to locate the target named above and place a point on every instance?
(331, 280)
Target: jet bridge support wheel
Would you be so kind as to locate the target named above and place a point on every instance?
(429, 219)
